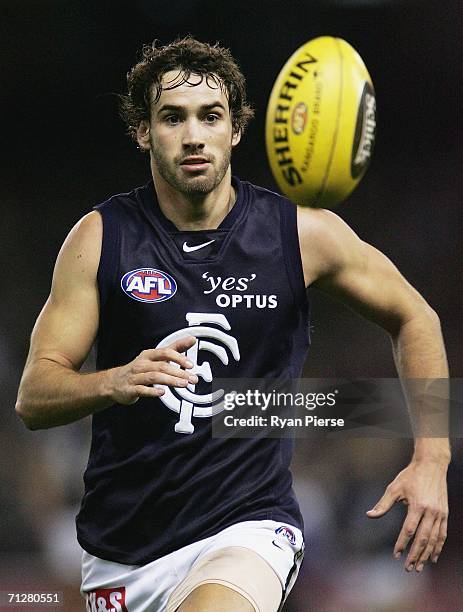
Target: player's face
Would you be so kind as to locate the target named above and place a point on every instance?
(191, 135)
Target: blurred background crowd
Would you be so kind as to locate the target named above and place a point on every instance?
(64, 150)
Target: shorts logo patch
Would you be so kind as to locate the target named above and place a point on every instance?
(107, 600)
(148, 285)
(287, 533)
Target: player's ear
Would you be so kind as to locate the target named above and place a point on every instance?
(143, 135)
(236, 137)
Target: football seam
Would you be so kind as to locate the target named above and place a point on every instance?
(336, 129)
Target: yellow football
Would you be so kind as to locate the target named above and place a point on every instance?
(321, 123)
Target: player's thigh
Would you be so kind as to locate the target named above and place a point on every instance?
(215, 598)
(229, 579)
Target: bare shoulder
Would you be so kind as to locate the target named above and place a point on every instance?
(87, 232)
(82, 247)
(79, 256)
(327, 243)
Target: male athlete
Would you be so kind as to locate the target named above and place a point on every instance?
(192, 276)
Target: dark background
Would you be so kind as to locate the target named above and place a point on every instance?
(64, 149)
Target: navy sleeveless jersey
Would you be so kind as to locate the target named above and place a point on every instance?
(156, 479)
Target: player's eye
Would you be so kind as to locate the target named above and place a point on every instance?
(212, 117)
(172, 119)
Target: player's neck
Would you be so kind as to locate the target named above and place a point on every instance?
(195, 211)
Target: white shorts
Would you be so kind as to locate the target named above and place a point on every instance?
(258, 559)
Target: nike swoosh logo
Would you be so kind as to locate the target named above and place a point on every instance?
(277, 545)
(189, 249)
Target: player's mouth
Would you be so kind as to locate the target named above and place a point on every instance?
(195, 163)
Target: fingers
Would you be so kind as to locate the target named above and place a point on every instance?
(442, 536)
(165, 375)
(384, 504)
(408, 530)
(172, 353)
(164, 366)
(429, 528)
(143, 391)
(183, 344)
(430, 546)
(421, 540)
(425, 526)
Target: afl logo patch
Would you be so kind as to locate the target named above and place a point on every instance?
(148, 285)
(287, 533)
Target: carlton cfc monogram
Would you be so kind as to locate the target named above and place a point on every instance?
(190, 404)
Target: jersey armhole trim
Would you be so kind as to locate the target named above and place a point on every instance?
(292, 254)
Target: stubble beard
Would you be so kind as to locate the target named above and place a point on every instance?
(194, 185)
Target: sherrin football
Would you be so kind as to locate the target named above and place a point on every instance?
(321, 123)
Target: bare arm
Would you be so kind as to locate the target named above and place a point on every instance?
(52, 391)
(336, 261)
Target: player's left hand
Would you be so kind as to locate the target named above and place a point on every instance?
(422, 486)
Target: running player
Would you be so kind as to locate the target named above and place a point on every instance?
(173, 280)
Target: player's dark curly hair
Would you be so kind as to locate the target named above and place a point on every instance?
(214, 63)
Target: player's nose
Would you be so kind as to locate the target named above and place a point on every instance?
(192, 134)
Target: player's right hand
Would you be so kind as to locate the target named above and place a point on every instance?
(136, 379)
